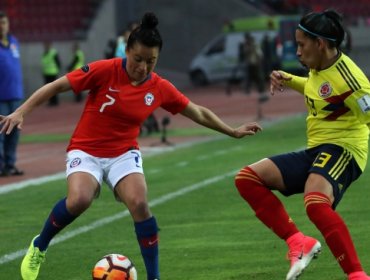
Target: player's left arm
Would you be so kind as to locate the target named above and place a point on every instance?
(359, 103)
(207, 118)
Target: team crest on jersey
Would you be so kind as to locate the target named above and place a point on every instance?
(148, 99)
(325, 90)
(75, 162)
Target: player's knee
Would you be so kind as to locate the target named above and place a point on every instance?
(139, 208)
(78, 203)
(245, 180)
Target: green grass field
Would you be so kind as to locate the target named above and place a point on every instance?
(207, 231)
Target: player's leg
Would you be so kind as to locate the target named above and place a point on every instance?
(254, 184)
(126, 177)
(322, 195)
(4, 110)
(82, 189)
(336, 234)
(8, 143)
(11, 144)
(64, 212)
(10, 153)
(132, 191)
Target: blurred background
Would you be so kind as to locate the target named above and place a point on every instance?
(186, 27)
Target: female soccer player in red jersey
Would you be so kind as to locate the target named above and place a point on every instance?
(337, 96)
(122, 94)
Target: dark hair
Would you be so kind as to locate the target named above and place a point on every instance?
(326, 25)
(3, 14)
(146, 33)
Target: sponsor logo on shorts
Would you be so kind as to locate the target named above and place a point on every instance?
(75, 162)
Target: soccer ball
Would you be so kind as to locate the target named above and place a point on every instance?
(114, 267)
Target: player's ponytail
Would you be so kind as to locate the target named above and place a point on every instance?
(338, 29)
(147, 33)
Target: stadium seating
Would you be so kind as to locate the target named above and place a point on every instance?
(353, 10)
(50, 20)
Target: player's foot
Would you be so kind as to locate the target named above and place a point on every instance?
(300, 255)
(31, 262)
(10, 171)
(358, 275)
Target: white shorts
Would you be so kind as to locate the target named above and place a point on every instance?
(109, 170)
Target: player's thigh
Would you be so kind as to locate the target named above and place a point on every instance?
(269, 173)
(84, 177)
(83, 184)
(82, 189)
(318, 183)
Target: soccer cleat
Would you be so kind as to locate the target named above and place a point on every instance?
(358, 275)
(300, 256)
(31, 262)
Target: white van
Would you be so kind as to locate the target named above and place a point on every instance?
(219, 59)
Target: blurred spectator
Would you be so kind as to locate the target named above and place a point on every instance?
(120, 48)
(110, 49)
(254, 61)
(77, 62)
(116, 47)
(51, 65)
(240, 66)
(11, 95)
(254, 73)
(131, 26)
(270, 56)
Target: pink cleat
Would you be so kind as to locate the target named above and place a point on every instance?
(358, 275)
(300, 255)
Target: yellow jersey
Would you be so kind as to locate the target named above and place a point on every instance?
(338, 104)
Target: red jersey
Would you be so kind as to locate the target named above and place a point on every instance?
(115, 109)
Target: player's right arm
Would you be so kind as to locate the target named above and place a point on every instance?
(279, 79)
(38, 97)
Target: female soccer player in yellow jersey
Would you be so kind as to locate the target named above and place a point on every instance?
(337, 96)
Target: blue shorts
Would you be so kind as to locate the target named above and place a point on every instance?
(333, 162)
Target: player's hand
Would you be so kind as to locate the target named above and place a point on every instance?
(247, 129)
(277, 79)
(8, 123)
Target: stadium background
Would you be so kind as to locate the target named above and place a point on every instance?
(185, 26)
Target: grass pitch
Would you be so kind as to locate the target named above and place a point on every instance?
(207, 232)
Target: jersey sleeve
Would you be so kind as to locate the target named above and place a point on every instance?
(172, 99)
(359, 103)
(359, 86)
(89, 76)
(297, 83)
